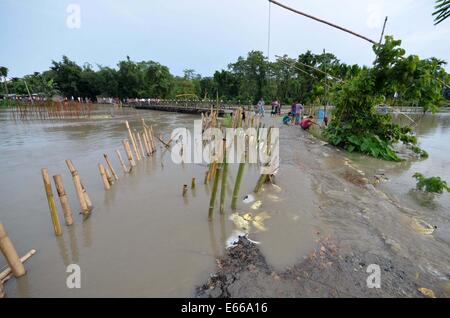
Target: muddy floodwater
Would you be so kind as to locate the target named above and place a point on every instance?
(144, 239)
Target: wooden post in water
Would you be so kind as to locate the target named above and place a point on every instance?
(126, 146)
(10, 253)
(109, 177)
(140, 144)
(185, 188)
(86, 198)
(105, 180)
(108, 162)
(67, 211)
(193, 183)
(51, 202)
(79, 188)
(119, 156)
(146, 144)
(133, 142)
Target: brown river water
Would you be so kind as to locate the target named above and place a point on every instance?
(143, 238)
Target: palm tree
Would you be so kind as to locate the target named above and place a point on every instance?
(442, 11)
(3, 74)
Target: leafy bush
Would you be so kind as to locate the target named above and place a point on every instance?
(357, 125)
(431, 185)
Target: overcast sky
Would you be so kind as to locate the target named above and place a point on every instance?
(206, 35)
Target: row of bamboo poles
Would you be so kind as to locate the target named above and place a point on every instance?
(143, 145)
(218, 170)
(49, 110)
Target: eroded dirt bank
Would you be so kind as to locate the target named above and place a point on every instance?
(361, 225)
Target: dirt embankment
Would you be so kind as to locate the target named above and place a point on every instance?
(364, 226)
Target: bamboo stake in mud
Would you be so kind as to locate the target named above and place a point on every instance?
(133, 142)
(223, 188)
(126, 146)
(10, 253)
(108, 162)
(237, 184)
(212, 200)
(78, 187)
(185, 188)
(119, 156)
(104, 177)
(51, 202)
(67, 211)
(193, 183)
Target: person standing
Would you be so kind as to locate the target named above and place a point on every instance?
(261, 105)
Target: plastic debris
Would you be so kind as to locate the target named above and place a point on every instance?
(243, 222)
(421, 226)
(248, 199)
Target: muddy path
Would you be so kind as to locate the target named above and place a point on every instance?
(358, 225)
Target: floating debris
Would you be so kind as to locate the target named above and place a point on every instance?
(427, 292)
(421, 226)
(256, 205)
(249, 198)
(274, 198)
(243, 222)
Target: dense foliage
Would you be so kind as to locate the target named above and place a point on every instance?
(431, 184)
(244, 81)
(358, 126)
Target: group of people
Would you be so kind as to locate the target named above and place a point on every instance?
(294, 117)
(276, 108)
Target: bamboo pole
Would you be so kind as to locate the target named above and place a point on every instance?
(141, 155)
(2, 292)
(51, 202)
(108, 162)
(237, 184)
(152, 137)
(185, 188)
(133, 142)
(108, 176)
(261, 180)
(10, 253)
(102, 170)
(212, 200)
(67, 211)
(147, 149)
(126, 146)
(6, 274)
(193, 183)
(323, 21)
(140, 144)
(119, 156)
(223, 188)
(86, 198)
(78, 187)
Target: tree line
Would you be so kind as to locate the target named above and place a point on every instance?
(310, 78)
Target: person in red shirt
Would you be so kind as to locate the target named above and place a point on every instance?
(307, 122)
